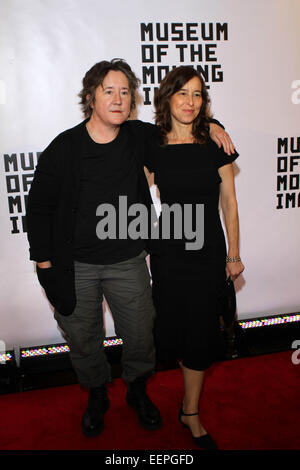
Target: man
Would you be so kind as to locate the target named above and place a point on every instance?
(86, 166)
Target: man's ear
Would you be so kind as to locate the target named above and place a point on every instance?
(88, 99)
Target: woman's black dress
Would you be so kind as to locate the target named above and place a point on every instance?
(187, 283)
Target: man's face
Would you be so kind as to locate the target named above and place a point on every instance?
(111, 106)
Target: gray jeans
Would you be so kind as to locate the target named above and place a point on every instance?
(126, 287)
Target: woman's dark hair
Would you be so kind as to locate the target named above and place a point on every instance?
(173, 82)
(95, 76)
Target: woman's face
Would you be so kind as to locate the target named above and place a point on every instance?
(186, 103)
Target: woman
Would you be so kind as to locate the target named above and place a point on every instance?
(190, 169)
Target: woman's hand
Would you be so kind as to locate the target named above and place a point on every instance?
(221, 138)
(233, 270)
(151, 181)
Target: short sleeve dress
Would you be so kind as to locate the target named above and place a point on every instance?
(187, 284)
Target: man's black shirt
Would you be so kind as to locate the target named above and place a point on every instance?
(108, 172)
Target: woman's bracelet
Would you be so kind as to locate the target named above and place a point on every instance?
(235, 259)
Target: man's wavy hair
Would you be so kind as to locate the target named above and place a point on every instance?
(95, 76)
(173, 82)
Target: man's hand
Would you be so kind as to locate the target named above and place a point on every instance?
(221, 138)
(44, 264)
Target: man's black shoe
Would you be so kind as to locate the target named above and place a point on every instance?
(137, 398)
(93, 418)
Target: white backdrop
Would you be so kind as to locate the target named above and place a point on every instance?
(250, 53)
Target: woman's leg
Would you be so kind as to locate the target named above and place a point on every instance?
(193, 381)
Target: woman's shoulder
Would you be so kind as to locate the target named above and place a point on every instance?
(220, 156)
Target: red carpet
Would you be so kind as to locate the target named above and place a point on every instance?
(250, 403)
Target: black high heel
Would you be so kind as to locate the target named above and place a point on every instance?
(206, 442)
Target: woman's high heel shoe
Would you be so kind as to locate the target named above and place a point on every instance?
(206, 442)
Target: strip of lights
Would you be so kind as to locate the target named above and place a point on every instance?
(45, 351)
(61, 348)
(5, 358)
(269, 321)
(112, 342)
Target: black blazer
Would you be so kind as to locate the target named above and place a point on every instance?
(52, 205)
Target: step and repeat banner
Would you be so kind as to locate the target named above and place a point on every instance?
(248, 52)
